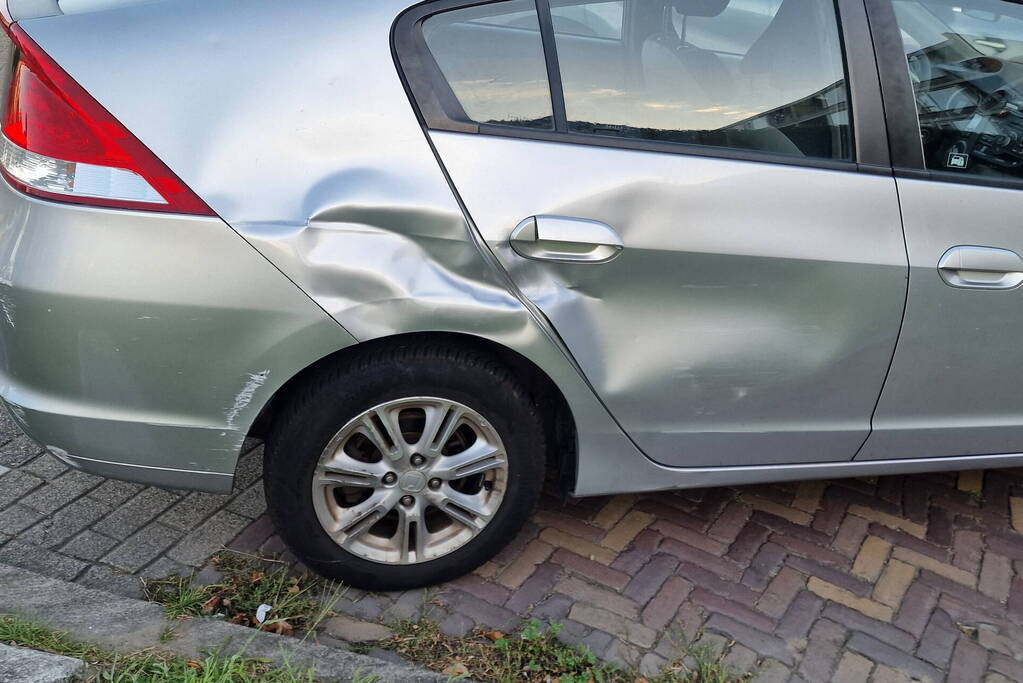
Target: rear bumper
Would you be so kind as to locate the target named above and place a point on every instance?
(143, 346)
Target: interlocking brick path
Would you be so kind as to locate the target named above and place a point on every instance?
(883, 579)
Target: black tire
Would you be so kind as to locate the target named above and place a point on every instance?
(316, 412)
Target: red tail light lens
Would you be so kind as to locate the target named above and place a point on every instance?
(59, 143)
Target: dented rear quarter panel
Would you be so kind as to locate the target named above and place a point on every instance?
(290, 120)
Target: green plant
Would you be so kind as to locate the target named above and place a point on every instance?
(249, 583)
(147, 666)
(534, 653)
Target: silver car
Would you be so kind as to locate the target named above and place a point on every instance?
(438, 252)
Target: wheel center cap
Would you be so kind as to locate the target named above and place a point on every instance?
(412, 482)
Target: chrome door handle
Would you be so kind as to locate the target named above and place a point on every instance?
(981, 268)
(566, 240)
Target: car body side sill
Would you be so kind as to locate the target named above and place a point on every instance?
(668, 478)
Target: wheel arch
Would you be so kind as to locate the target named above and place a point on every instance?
(559, 421)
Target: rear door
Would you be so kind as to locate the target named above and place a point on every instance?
(695, 193)
(954, 387)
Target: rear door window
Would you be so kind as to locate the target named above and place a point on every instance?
(492, 58)
(966, 63)
(749, 75)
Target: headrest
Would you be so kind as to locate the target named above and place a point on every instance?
(700, 8)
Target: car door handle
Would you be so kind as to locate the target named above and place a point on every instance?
(981, 268)
(566, 240)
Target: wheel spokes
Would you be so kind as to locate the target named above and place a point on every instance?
(359, 518)
(379, 510)
(344, 470)
(412, 533)
(441, 423)
(469, 510)
(476, 459)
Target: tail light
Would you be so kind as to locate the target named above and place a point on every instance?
(58, 142)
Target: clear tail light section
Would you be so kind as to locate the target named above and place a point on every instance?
(59, 143)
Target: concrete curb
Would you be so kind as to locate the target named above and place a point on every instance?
(126, 625)
(18, 665)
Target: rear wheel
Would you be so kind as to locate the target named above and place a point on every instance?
(405, 467)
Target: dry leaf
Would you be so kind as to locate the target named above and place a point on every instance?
(493, 635)
(456, 669)
(210, 605)
(281, 628)
(193, 664)
(293, 589)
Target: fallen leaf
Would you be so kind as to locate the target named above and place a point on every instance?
(193, 664)
(238, 618)
(210, 605)
(456, 669)
(293, 589)
(493, 635)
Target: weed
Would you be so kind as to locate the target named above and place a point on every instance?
(147, 667)
(246, 585)
(531, 654)
(535, 654)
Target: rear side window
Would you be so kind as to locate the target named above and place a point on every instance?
(749, 75)
(966, 64)
(493, 59)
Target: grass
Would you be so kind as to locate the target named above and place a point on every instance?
(297, 602)
(534, 654)
(146, 666)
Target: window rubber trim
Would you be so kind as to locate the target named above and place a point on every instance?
(438, 109)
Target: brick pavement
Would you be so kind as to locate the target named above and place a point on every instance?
(885, 579)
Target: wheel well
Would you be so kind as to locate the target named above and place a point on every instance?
(558, 420)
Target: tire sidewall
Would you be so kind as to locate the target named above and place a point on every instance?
(293, 452)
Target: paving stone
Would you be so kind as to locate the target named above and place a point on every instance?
(136, 512)
(46, 562)
(823, 651)
(16, 484)
(164, 567)
(254, 535)
(249, 503)
(649, 580)
(857, 621)
(456, 625)
(65, 523)
(195, 548)
(193, 509)
(355, 630)
(142, 547)
(534, 588)
(112, 581)
(809, 581)
(614, 624)
(766, 644)
(55, 494)
(45, 466)
(18, 452)
(886, 654)
(996, 576)
(17, 518)
(969, 661)
(114, 492)
(555, 608)
(772, 671)
(88, 546)
(20, 665)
